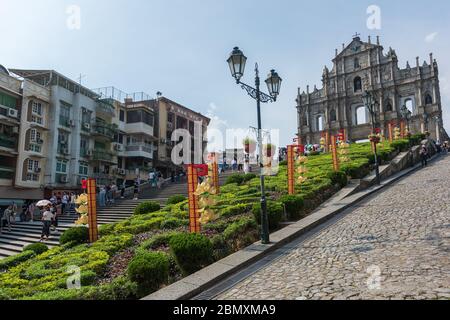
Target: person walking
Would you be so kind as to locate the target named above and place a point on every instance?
(424, 155)
(6, 219)
(102, 197)
(151, 178)
(64, 202)
(136, 189)
(30, 211)
(113, 192)
(73, 198)
(14, 212)
(47, 218)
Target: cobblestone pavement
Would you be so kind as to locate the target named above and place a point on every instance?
(395, 245)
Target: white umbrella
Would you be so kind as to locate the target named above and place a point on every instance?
(43, 203)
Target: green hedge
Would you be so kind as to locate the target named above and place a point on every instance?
(149, 270)
(37, 248)
(77, 235)
(274, 212)
(191, 251)
(235, 178)
(147, 207)
(235, 210)
(294, 205)
(176, 199)
(338, 177)
(15, 260)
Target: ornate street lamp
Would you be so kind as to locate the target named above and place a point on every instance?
(371, 105)
(406, 114)
(236, 62)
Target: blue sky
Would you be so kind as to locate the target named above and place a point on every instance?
(180, 47)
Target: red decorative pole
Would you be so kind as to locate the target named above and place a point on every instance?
(290, 167)
(92, 210)
(192, 177)
(334, 153)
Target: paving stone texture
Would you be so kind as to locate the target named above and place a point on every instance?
(394, 245)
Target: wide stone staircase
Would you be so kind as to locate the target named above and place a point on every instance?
(25, 233)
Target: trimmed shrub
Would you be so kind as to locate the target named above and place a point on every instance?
(294, 205)
(106, 229)
(147, 207)
(249, 176)
(173, 223)
(239, 227)
(235, 210)
(149, 270)
(176, 199)
(191, 251)
(76, 235)
(235, 178)
(283, 163)
(274, 213)
(37, 248)
(338, 177)
(157, 241)
(401, 145)
(15, 260)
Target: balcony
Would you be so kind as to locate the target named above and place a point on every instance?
(6, 173)
(139, 128)
(103, 155)
(105, 107)
(8, 141)
(105, 131)
(139, 151)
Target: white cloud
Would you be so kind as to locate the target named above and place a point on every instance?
(430, 38)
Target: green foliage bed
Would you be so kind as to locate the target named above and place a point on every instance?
(44, 275)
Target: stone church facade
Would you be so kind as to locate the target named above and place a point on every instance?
(363, 66)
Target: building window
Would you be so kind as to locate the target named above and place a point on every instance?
(333, 116)
(356, 63)
(83, 169)
(7, 100)
(428, 99)
(122, 115)
(357, 84)
(170, 117)
(83, 147)
(388, 106)
(361, 115)
(409, 105)
(37, 108)
(63, 142)
(33, 170)
(61, 166)
(64, 115)
(319, 123)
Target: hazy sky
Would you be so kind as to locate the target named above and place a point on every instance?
(180, 47)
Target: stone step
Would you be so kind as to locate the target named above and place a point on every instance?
(6, 253)
(22, 242)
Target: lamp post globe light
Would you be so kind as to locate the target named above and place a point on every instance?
(371, 104)
(236, 62)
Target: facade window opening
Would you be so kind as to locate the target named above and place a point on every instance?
(333, 116)
(409, 105)
(320, 125)
(388, 106)
(357, 83)
(428, 99)
(361, 116)
(356, 63)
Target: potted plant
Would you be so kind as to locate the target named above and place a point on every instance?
(249, 145)
(269, 150)
(376, 138)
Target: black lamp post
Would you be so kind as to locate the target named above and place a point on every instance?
(406, 114)
(237, 63)
(371, 105)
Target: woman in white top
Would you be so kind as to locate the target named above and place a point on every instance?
(47, 218)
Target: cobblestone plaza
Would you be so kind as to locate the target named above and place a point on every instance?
(395, 245)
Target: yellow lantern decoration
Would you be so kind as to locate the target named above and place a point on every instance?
(82, 209)
(204, 191)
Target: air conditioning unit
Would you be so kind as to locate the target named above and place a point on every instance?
(119, 147)
(163, 141)
(65, 151)
(63, 179)
(15, 130)
(122, 172)
(89, 153)
(72, 123)
(40, 141)
(87, 126)
(13, 113)
(37, 170)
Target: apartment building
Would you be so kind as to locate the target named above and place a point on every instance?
(54, 133)
(80, 133)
